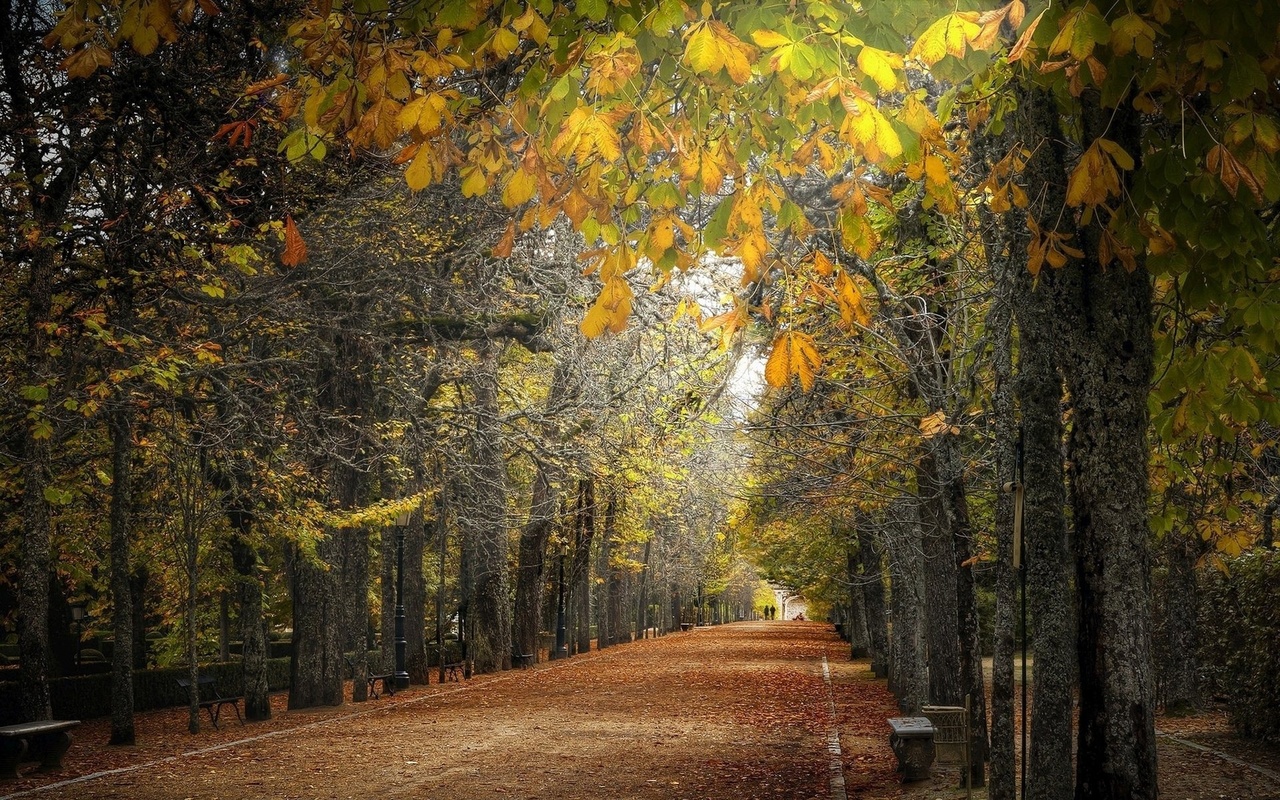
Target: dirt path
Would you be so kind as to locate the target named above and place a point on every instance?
(739, 712)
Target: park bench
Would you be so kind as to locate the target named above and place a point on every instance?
(45, 741)
(522, 660)
(211, 699)
(453, 671)
(912, 743)
(387, 679)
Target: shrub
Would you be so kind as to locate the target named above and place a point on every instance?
(89, 696)
(1240, 628)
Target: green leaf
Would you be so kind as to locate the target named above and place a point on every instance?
(1245, 76)
(789, 214)
(717, 228)
(593, 10)
(34, 394)
(58, 497)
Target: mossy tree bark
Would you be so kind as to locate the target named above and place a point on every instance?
(531, 571)
(903, 540)
(1099, 326)
(1179, 669)
(316, 667)
(1048, 554)
(489, 606)
(871, 582)
(1004, 240)
(244, 557)
(580, 572)
(121, 429)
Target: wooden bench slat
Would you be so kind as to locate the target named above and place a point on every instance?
(453, 670)
(388, 684)
(215, 703)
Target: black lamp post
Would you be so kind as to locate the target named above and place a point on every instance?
(402, 675)
(77, 615)
(562, 646)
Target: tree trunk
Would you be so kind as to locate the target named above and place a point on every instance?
(855, 621)
(642, 595)
(415, 600)
(1105, 354)
(580, 580)
(33, 583)
(1108, 369)
(121, 427)
(387, 596)
(48, 189)
(1002, 258)
(615, 582)
(941, 603)
(531, 571)
(330, 605)
(871, 579)
(316, 668)
(253, 654)
(354, 576)
(1047, 548)
(972, 681)
(907, 668)
(604, 637)
(1181, 608)
(489, 608)
(191, 627)
(441, 537)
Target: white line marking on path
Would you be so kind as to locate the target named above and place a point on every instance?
(835, 758)
(1274, 776)
(580, 659)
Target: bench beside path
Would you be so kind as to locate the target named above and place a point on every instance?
(46, 741)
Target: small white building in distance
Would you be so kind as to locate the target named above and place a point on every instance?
(789, 605)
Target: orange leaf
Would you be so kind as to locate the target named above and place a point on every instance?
(822, 265)
(507, 243)
(295, 249)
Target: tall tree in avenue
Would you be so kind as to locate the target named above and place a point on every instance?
(630, 118)
(485, 504)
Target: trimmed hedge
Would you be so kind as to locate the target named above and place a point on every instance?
(1240, 629)
(89, 696)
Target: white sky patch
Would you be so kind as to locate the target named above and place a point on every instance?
(746, 386)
